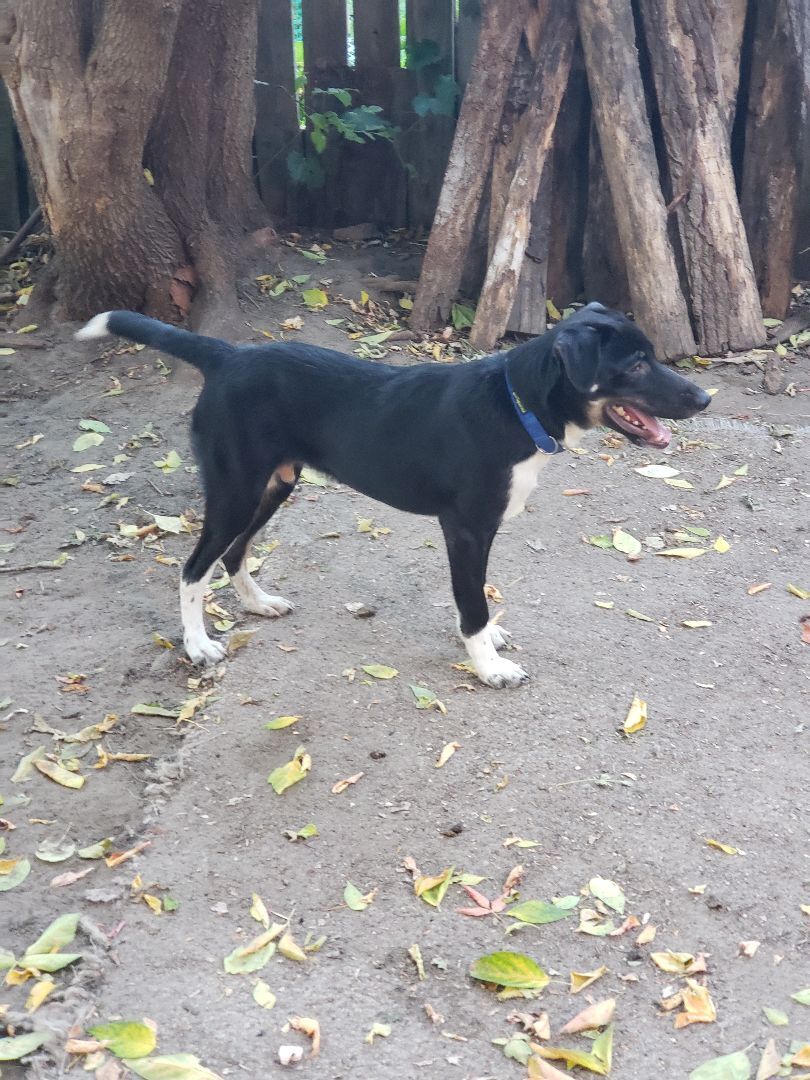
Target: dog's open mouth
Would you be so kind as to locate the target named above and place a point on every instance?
(637, 425)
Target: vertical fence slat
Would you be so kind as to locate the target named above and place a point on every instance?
(324, 23)
(277, 129)
(9, 189)
(467, 29)
(376, 34)
(427, 144)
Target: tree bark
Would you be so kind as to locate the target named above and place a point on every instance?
(548, 86)
(468, 166)
(617, 95)
(689, 84)
(772, 161)
(603, 265)
(87, 82)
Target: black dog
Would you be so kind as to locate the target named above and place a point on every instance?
(463, 443)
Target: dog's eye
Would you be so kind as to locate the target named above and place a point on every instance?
(639, 368)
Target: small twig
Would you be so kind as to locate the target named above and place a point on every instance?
(163, 494)
(30, 566)
(16, 241)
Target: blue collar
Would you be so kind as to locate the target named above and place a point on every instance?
(544, 442)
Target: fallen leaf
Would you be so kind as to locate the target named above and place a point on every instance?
(253, 956)
(680, 483)
(170, 1067)
(39, 992)
(595, 1016)
(538, 912)
(341, 785)
(447, 752)
(776, 1017)
(721, 545)
(377, 1030)
(126, 1038)
(354, 899)
(415, 954)
(647, 935)
(509, 969)
(609, 893)
(626, 542)
(752, 590)
(314, 298)
(580, 980)
(544, 1070)
(749, 948)
(258, 911)
(729, 1067)
(379, 671)
(607, 604)
(13, 872)
(54, 850)
(426, 699)
(119, 857)
(796, 590)
(724, 482)
(571, 1058)
(770, 1063)
(282, 722)
(59, 774)
(17, 1046)
(310, 1027)
(727, 849)
(695, 624)
(286, 775)
(636, 717)
(432, 888)
(802, 997)
(682, 552)
(263, 995)
(678, 963)
(638, 615)
(84, 442)
(70, 877)
(290, 948)
(801, 1057)
(657, 472)
(576, 491)
(697, 1005)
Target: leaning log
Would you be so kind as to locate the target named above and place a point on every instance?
(469, 161)
(611, 60)
(726, 310)
(772, 162)
(548, 85)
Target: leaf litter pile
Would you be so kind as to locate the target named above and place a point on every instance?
(383, 876)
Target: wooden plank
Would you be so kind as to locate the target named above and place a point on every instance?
(9, 188)
(324, 26)
(468, 26)
(376, 34)
(431, 20)
(277, 131)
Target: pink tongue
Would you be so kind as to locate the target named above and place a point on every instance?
(654, 432)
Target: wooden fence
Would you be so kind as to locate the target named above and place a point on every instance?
(397, 181)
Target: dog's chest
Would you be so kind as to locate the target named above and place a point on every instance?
(525, 474)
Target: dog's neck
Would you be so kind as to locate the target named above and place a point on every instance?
(538, 379)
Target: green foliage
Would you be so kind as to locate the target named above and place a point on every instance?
(443, 100)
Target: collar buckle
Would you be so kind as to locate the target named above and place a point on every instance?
(544, 442)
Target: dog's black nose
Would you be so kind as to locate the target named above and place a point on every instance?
(702, 399)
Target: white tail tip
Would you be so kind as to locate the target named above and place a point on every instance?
(97, 327)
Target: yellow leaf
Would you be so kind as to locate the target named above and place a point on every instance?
(28, 329)
(647, 935)
(447, 752)
(259, 912)
(152, 903)
(680, 483)
(636, 717)
(39, 992)
(582, 979)
(281, 722)
(607, 604)
(289, 948)
(696, 624)
(726, 848)
(341, 785)
(676, 963)
(802, 1057)
(724, 482)
(59, 774)
(796, 590)
(571, 1058)
(682, 552)
(263, 995)
(722, 545)
(287, 775)
(553, 311)
(697, 1004)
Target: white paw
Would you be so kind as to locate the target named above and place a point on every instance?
(203, 651)
(270, 606)
(500, 637)
(502, 673)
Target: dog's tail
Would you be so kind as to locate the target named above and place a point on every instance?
(204, 353)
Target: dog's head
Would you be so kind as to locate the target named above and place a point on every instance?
(612, 367)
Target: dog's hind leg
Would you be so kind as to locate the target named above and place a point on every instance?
(279, 487)
(468, 550)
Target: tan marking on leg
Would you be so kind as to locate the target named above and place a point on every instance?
(285, 473)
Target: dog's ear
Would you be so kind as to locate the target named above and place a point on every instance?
(578, 347)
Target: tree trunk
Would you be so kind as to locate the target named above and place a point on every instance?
(603, 264)
(772, 162)
(86, 83)
(468, 166)
(548, 85)
(689, 84)
(617, 95)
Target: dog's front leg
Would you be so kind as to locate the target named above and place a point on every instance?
(468, 551)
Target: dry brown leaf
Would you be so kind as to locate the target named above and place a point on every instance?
(697, 1005)
(630, 923)
(749, 948)
(70, 877)
(752, 590)
(493, 593)
(341, 785)
(432, 1015)
(119, 857)
(647, 935)
(513, 879)
(771, 1062)
(582, 979)
(544, 1070)
(595, 1016)
(310, 1027)
(447, 752)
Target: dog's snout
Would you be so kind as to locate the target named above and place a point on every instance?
(702, 399)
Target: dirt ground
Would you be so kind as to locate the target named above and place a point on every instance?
(723, 756)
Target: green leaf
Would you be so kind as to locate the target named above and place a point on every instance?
(55, 850)
(254, 955)
(626, 542)
(314, 298)
(730, 1067)
(463, 315)
(60, 933)
(424, 697)
(776, 1017)
(170, 1067)
(657, 472)
(263, 995)
(802, 996)
(354, 899)
(380, 671)
(601, 541)
(19, 871)
(173, 525)
(49, 961)
(126, 1038)
(7, 352)
(286, 775)
(94, 425)
(98, 850)
(154, 710)
(510, 969)
(12, 1049)
(318, 137)
(516, 1048)
(344, 96)
(537, 912)
(281, 722)
(84, 442)
(313, 477)
(170, 463)
(602, 1048)
(609, 893)
(421, 54)
(305, 170)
